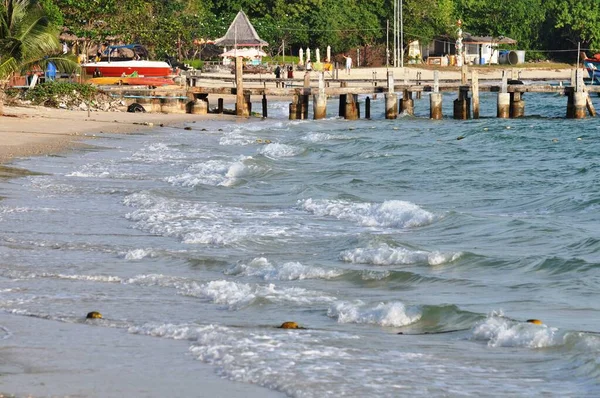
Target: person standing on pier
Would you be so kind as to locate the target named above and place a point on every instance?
(348, 63)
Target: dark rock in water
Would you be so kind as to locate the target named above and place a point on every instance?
(135, 108)
(94, 315)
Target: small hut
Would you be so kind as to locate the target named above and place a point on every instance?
(241, 33)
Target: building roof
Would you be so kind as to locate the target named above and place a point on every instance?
(241, 33)
(469, 38)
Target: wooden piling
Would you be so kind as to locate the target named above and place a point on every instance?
(475, 93)
(407, 105)
(220, 106)
(368, 108)
(590, 105)
(264, 105)
(342, 107)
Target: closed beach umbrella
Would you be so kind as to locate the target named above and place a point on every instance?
(301, 56)
(307, 54)
(317, 55)
(328, 53)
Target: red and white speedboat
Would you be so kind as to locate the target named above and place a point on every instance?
(126, 60)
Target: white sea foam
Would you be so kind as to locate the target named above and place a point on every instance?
(139, 254)
(158, 153)
(222, 172)
(389, 214)
(502, 332)
(262, 268)
(386, 255)
(276, 150)
(385, 314)
(198, 223)
(320, 137)
(232, 294)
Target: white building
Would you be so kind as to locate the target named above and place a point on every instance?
(477, 49)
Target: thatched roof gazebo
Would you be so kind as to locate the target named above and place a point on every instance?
(241, 33)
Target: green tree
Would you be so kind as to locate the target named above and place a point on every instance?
(26, 38)
(518, 19)
(571, 22)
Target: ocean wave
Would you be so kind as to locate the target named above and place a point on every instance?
(262, 268)
(157, 153)
(233, 295)
(214, 172)
(276, 150)
(320, 137)
(394, 314)
(389, 214)
(503, 332)
(386, 255)
(197, 223)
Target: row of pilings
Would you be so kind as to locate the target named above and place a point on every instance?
(510, 104)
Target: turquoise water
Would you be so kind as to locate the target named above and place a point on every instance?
(357, 230)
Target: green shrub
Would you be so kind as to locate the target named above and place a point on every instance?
(51, 90)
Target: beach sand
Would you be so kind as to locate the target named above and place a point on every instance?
(49, 358)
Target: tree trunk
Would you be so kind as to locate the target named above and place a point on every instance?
(3, 85)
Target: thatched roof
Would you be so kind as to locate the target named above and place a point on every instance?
(241, 33)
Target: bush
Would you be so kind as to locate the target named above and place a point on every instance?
(50, 91)
(535, 56)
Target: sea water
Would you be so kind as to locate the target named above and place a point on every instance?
(357, 230)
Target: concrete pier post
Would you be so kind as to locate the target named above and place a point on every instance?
(199, 107)
(503, 106)
(170, 104)
(240, 109)
(475, 93)
(435, 102)
(305, 103)
(156, 105)
(462, 105)
(391, 105)
(319, 106)
(320, 99)
(517, 105)
(352, 109)
(295, 108)
(407, 105)
(579, 105)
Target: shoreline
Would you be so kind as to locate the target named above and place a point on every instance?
(37, 131)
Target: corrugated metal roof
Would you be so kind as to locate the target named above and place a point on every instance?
(241, 33)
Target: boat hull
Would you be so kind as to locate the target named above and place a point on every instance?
(121, 68)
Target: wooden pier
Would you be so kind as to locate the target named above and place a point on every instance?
(398, 95)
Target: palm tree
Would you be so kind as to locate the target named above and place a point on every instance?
(26, 38)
